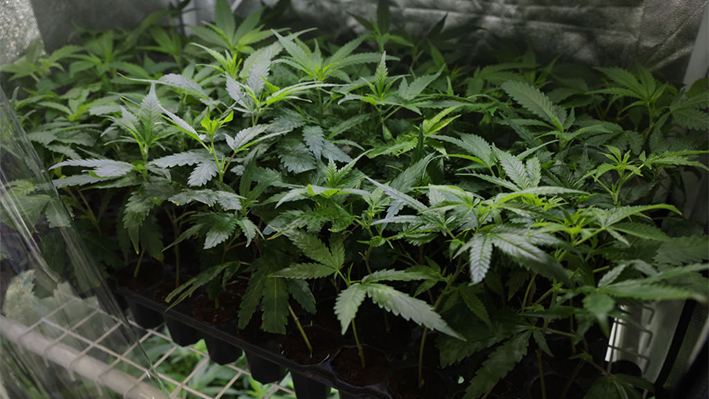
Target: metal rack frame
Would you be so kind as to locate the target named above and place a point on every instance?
(111, 375)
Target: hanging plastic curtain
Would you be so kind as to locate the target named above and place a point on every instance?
(62, 335)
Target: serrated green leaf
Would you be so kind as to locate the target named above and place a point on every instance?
(600, 305)
(497, 181)
(521, 249)
(394, 275)
(222, 226)
(318, 251)
(497, 365)
(275, 305)
(615, 215)
(542, 342)
(301, 293)
(475, 146)
(381, 74)
(255, 288)
(409, 92)
(203, 173)
(224, 19)
(534, 171)
(228, 201)
(480, 257)
(646, 292)
(478, 337)
(183, 83)
(183, 158)
(347, 304)
(249, 229)
(467, 292)
(258, 75)
(102, 168)
(627, 79)
(76, 180)
(641, 230)
(611, 275)
(514, 168)
(136, 210)
(186, 289)
(295, 156)
(536, 102)
(399, 196)
(408, 307)
(305, 271)
(314, 139)
(245, 136)
(691, 118)
(682, 250)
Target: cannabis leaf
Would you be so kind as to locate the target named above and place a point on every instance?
(497, 365)
(347, 304)
(536, 102)
(102, 168)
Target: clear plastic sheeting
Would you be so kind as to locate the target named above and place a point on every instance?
(50, 293)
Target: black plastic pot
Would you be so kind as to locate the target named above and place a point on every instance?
(221, 352)
(307, 388)
(264, 371)
(181, 333)
(144, 316)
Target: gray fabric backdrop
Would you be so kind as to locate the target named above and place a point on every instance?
(660, 33)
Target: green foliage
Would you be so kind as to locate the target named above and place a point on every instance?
(495, 198)
(497, 365)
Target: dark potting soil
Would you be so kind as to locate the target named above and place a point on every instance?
(384, 330)
(555, 385)
(431, 354)
(348, 367)
(254, 333)
(237, 287)
(404, 384)
(204, 310)
(325, 316)
(513, 382)
(149, 273)
(321, 340)
(563, 349)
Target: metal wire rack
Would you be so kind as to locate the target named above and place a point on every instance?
(114, 367)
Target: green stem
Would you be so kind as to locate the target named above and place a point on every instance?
(137, 266)
(541, 374)
(366, 259)
(425, 330)
(529, 288)
(551, 330)
(420, 365)
(300, 328)
(89, 212)
(571, 379)
(359, 345)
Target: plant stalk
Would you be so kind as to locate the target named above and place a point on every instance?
(359, 345)
(541, 374)
(137, 266)
(300, 328)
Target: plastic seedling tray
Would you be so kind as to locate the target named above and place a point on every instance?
(270, 351)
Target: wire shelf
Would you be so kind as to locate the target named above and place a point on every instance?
(99, 357)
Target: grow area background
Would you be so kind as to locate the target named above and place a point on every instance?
(64, 343)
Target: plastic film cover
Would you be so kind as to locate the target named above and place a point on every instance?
(62, 335)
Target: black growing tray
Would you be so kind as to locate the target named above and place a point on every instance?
(270, 350)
